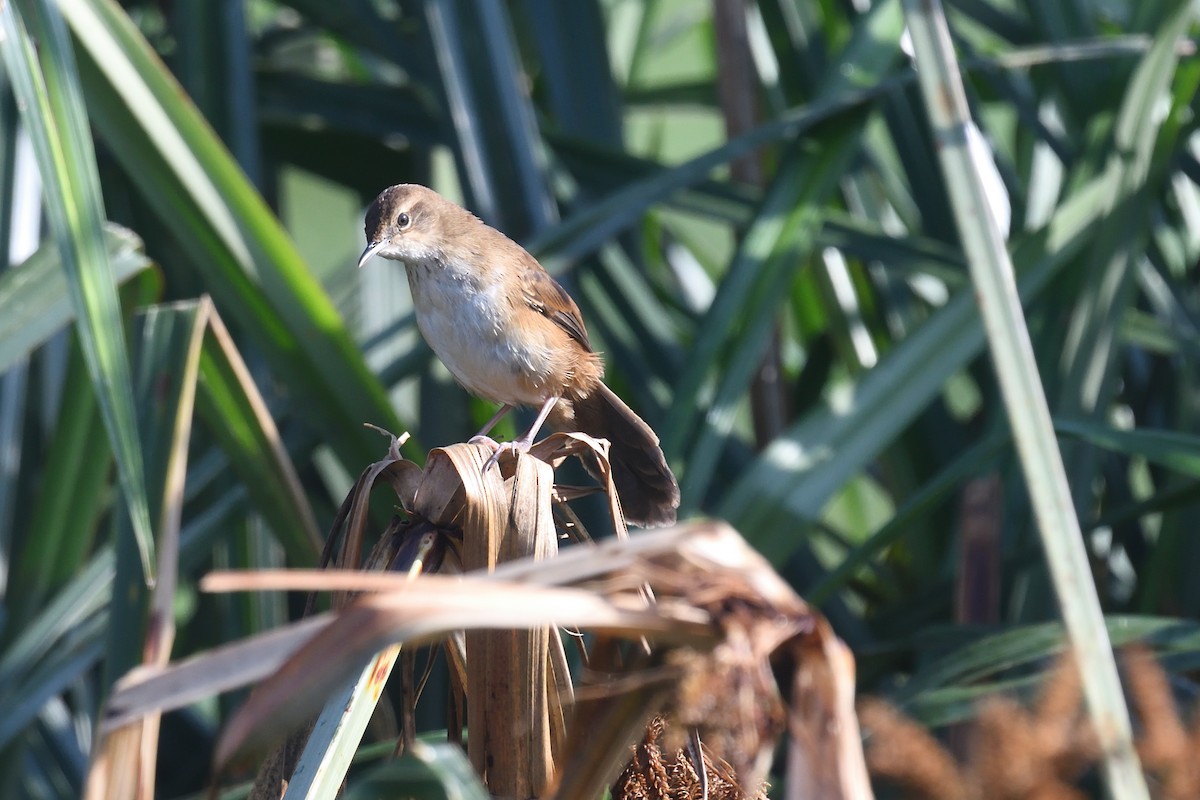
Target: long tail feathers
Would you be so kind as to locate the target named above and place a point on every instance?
(647, 488)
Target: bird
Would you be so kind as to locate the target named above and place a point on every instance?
(510, 334)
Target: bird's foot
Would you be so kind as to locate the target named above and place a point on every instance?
(515, 447)
(483, 438)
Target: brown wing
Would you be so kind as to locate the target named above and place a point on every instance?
(544, 295)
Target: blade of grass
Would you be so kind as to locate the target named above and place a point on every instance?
(228, 234)
(69, 504)
(13, 395)
(1027, 644)
(167, 356)
(358, 22)
(74, 496)
(211, 60)
(321, 768)
(52, 102)
(1172, 449)
(1088, 361)
(591, 227)
(779, 240)
(1021, 387)
(792, 480)
(20, 223)
(168, 363)
(74, 609)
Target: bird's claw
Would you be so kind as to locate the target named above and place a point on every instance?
(515, 447)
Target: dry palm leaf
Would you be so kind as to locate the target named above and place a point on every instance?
(698, 652)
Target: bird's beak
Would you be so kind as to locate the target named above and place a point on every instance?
(371, 250)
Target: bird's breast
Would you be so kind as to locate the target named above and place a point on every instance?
(470, 324)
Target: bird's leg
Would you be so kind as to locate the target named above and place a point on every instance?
(522, 444)
(482, 437)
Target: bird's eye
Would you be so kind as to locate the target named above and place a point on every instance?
(404, 220)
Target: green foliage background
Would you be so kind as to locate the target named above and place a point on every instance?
(803, 336)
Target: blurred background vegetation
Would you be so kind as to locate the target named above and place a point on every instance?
(745, 200)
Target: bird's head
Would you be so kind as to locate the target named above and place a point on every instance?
(410, 223)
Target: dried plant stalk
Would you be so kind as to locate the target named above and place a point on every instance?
(508, 680)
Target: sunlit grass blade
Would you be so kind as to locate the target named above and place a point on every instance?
(1020, 384)
(797, 474)
(229, 235)
(339, 728)
(53, 112)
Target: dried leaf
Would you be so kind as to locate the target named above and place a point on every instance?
(427, 611)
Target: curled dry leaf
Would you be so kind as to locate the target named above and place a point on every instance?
(151, 688)
(685, 623)
(429, 611)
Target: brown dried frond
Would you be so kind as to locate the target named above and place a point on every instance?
(1013, 760)
(730, 695)
(1165, 747)
(1060, 694)
(1188, 776)
(1062, 732)
(1163, 739)
(661, 772)
(1014, 754)
(727, 691)
(719, 620)
(903, 753)
(1021, 755)
(1005, 760)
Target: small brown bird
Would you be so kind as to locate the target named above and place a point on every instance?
(510, 334)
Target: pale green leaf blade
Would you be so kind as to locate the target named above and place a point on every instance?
(53, 111)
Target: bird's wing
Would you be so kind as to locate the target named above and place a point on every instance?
(544, 295)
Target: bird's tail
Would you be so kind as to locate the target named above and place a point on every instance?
(647, 488)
